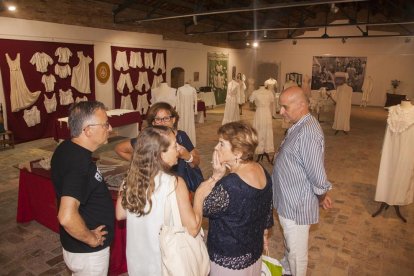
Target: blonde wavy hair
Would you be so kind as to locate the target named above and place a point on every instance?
(146, 163)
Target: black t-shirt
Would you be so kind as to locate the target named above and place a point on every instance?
(75, 174)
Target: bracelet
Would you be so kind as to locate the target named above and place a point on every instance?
(190, 160)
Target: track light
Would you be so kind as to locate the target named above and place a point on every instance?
(344, 40)
(11, 8)
(195, 20)
(294, 42)
(255, 44)
(334, 8)
(265, 33)
(247, 44)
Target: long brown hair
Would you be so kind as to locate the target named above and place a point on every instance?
(145, 165)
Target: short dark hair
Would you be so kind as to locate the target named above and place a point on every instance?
(80, 113)
(242, 137)
(152, 112)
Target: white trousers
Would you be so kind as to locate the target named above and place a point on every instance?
(296, 237)
(88, 264)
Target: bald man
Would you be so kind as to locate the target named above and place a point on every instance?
(300, 184)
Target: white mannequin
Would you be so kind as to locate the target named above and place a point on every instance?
(187, 108)
(406, 104)
(231, 109)
(366, 91)
(271, 85)
(164, 93)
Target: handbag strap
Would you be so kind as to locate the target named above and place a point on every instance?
(171, 206)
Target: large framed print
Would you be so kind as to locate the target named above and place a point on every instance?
(330, 71)
(217, 75)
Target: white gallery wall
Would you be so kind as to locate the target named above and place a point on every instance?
(192, 57)
(387, 59)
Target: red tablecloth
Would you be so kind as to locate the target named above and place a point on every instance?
(61, 130)
(37, 201)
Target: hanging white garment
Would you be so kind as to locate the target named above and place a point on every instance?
(50, 104)
(271, 85)
(126, 102)
(250, 87)
(66, 97)
(121, 61)
(242, 91)
(49, 82)
(64, 54)
(142, 104)
(135, 60)
(20, 96)
(366, 91)
(159, 63)
(81, 99)
(262, 122)
(80, 74)
(164, 93)
(231, 109)
(187, 107)
(149, 62)
(63, 71)
(31, 116)
(42, 60)
(156, 81)
(142, 80)
(395, 184)
(124, 79)
(343, 107)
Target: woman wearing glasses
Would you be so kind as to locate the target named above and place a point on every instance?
(163, 114)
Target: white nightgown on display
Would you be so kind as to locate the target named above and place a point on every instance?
(187, 108)
(49, 82)
(42, 60)
(395, 184)
(231, 109)
(50, 104)
(262, 121)
(31, 116)
(271, 85)
(20, 96)
(63, 71)
(64, 54)
(343, 108)
(80, 74)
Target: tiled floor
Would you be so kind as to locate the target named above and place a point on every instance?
(347, 241)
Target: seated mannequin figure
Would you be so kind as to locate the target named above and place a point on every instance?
(164, 93)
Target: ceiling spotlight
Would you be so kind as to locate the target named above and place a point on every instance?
(195, 20)
(11, 8)
(344, 40)
(294, 42)
(255, 44)
(247, 44)
(247, 34)
(265, 33)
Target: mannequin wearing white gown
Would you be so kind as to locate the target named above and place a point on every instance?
(366, 91)
(343, 108)
(231, 109)
(262, 122)
(187, 107)
(164, 93)
(395, 184)
(271, 85)
(250, 89)
(242, 91)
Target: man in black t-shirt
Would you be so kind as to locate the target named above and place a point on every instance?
(86, 211)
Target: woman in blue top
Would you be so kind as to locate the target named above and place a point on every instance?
(164, 114)
(238, 205)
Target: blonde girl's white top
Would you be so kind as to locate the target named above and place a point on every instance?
(143, 247)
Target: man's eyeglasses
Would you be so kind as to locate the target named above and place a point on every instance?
(164, 119)
(104, 125)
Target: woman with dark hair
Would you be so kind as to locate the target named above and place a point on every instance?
(238, 205)
(164, 114)
(143, 196)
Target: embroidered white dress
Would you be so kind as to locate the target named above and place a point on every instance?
(187, 108)
(343, 108)
(262, 122)
(20, 96)
(80, 74)
(395, 184)
(231, 109)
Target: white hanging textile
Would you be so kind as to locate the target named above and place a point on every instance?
(121, 61)
(64, 54)
(49, 82)
(135, 60)
(124, 79)
(50, 104)
(80, 74)
(20, 96)
(42, 60)
(142, 80)
(63, 71)
(187, 108)
(156, 81)
(31, 116)
(142, 104)
(159, 63)
(66, 97)
(149, 63)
